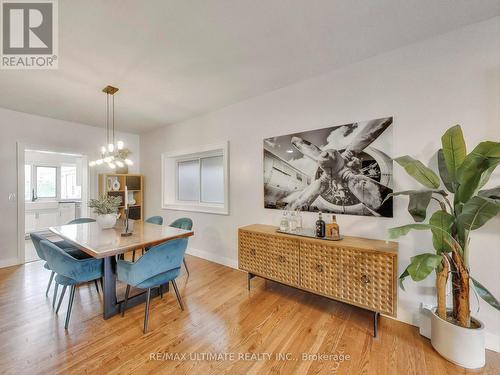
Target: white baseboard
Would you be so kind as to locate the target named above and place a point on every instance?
(9, 262)
(492, 341)
(229, 262)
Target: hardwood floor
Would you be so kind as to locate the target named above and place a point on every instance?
(221, 318)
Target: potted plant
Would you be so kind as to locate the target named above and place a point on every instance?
(462, 206)
(106, 209)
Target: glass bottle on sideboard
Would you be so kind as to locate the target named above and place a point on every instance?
(298, 218)
(284, 224)
(320, 227)
(333, 229)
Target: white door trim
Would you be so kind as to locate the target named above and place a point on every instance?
(21, 148)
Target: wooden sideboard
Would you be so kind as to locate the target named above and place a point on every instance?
(357, 271)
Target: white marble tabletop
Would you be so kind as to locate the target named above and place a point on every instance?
(101, 243)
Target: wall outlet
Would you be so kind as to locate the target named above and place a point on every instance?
(425, 319)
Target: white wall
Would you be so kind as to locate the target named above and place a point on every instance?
(427, 87)
(43, 133)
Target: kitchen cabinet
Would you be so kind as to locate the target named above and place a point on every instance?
(39, 216)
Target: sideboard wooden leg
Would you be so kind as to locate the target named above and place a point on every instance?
(250, 277)
(375, 323)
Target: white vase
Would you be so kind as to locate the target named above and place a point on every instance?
(462, 346)
(107, 221)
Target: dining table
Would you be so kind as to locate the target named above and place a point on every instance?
(109, 244)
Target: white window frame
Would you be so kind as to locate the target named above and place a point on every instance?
(33, 178)
(34, 184)
(170, 183)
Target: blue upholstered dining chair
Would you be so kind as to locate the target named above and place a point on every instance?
(73, 251)
(186, 224)
(161, 264)
(81, 220)
(158, 220)
(70, 272)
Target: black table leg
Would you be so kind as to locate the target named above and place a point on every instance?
(111, 306)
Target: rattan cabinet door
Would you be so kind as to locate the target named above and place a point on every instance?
(319, 268)
(362, 278)
(283, 260)
(253, 252)
(367, 279)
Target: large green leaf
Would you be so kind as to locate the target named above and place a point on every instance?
(493, 194)
(477, 211)
(440, 238)
(485, 294)
(422, 265)
(417, 206)
(419, 171)
(454, 150)
(485, 176)
(402, 277)
(444, 174)
(419, 201)
(403, 230)
(484, 158)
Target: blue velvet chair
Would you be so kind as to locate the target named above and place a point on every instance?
(73, 251)
(82, 220)
(183, 223)
(160, 265)
(70, 271)
(158, 220)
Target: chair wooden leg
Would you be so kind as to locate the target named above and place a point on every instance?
(70, 306)
(61, 298)
(56, 286)
(127, 292)
(50, 282)
(146, 313)
(185, 265)
(174, 284)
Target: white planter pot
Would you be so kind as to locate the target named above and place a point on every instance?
(107, 221)
(462, 346)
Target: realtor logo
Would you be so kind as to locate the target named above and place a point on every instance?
(29, 34)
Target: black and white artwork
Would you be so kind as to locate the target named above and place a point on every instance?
(343, 169)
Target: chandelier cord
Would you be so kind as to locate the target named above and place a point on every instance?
(107, 118)
(113, 119)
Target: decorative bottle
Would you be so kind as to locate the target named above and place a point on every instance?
(298, 217)
(284, 225)
(320, 227)
(333, 229)
(293, 221)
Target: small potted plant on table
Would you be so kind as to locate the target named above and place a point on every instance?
(454, 334)
(106, 209)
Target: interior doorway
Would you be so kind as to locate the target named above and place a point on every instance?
(55, 187)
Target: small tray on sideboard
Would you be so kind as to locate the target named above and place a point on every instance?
(307, 232)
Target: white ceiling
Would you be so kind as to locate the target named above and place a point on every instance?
(173, 60)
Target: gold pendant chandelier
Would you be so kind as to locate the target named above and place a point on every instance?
(113, 154)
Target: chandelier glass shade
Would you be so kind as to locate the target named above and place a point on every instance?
(113, 154)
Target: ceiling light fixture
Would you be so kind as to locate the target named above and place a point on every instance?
(114, 155)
